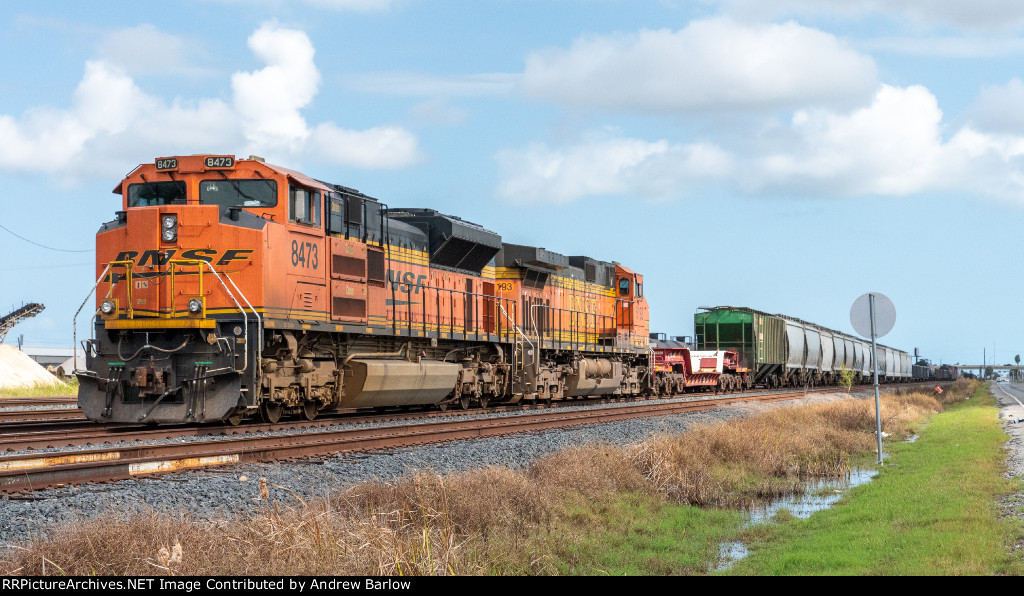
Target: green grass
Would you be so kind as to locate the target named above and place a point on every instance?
(931, 511)
(60, 389)
(642, 536)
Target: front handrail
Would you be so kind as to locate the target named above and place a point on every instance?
(245, 317)
(74, 321)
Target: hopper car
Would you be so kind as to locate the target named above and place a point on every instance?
(784, 351)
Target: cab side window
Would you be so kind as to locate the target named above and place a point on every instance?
(623, 287)
(304, 205)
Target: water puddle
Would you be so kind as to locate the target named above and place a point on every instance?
(819, 495)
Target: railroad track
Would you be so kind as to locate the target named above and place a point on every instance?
(27, 473)
(20, 473)
(37, 429)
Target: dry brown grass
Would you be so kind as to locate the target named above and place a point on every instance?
(490, 520)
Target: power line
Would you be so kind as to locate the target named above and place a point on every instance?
(41, 245)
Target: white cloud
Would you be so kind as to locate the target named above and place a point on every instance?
(999, 109)
(894, 147)
(269, 100)
(607, 166)
(417, 84)
(715, 64)
(111, 123)
(387, 147)
(344, 5)
(951, 47)
(990, 14)
(891, 147)
(357, 5)
(145, 50)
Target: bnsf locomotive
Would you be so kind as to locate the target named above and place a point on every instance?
(232, 287)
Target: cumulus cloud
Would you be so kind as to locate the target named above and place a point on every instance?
(607, 165)
(269, 100)
(111, 121)
(715, 64)
(892, 147)
(999, 109)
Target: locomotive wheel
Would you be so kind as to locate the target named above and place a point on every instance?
(485, 401)
(464, 401)
(271, 412)
(443, 406)
(309, 410)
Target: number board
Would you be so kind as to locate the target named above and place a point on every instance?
(220, 162)
(167, 163)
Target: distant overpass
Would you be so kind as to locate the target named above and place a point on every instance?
(981, 367)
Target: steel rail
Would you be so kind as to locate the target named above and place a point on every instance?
(25, 473)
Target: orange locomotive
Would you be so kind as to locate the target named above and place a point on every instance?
(230, 287)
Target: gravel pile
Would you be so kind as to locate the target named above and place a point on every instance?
(17, 369)
(219, 493)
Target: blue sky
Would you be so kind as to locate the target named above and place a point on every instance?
(787, 155)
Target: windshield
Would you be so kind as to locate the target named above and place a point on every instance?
(156, 193)
(238, 193)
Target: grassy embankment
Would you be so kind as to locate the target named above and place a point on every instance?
(660, 507)
(933, 510)
(61, 388)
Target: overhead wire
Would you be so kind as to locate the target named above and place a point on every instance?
(41, 245)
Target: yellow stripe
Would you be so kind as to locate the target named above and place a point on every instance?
(44, 462)
(160, 323)
(170, 465)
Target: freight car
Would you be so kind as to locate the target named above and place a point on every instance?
(783, 351)
(229, 287)
(677, 368)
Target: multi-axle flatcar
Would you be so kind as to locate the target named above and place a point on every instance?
(230, 287)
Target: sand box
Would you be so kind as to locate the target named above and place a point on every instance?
(17, 369)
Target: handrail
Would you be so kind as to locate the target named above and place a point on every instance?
(227, 290)
(74, 321)
(128, 265)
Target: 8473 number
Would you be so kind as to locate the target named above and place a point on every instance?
(305, 254)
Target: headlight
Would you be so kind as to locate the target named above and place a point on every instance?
(195, 306)
(169, 225)
(108, 307)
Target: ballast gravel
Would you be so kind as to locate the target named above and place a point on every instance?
(218, 493)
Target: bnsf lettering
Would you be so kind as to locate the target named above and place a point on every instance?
(199, 254)
(405, 281)
(154, 258)
(234, 255)
(305, 254)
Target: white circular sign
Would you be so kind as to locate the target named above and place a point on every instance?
(885, 315)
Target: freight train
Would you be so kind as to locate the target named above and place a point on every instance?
(783, 351)
(231, 288)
